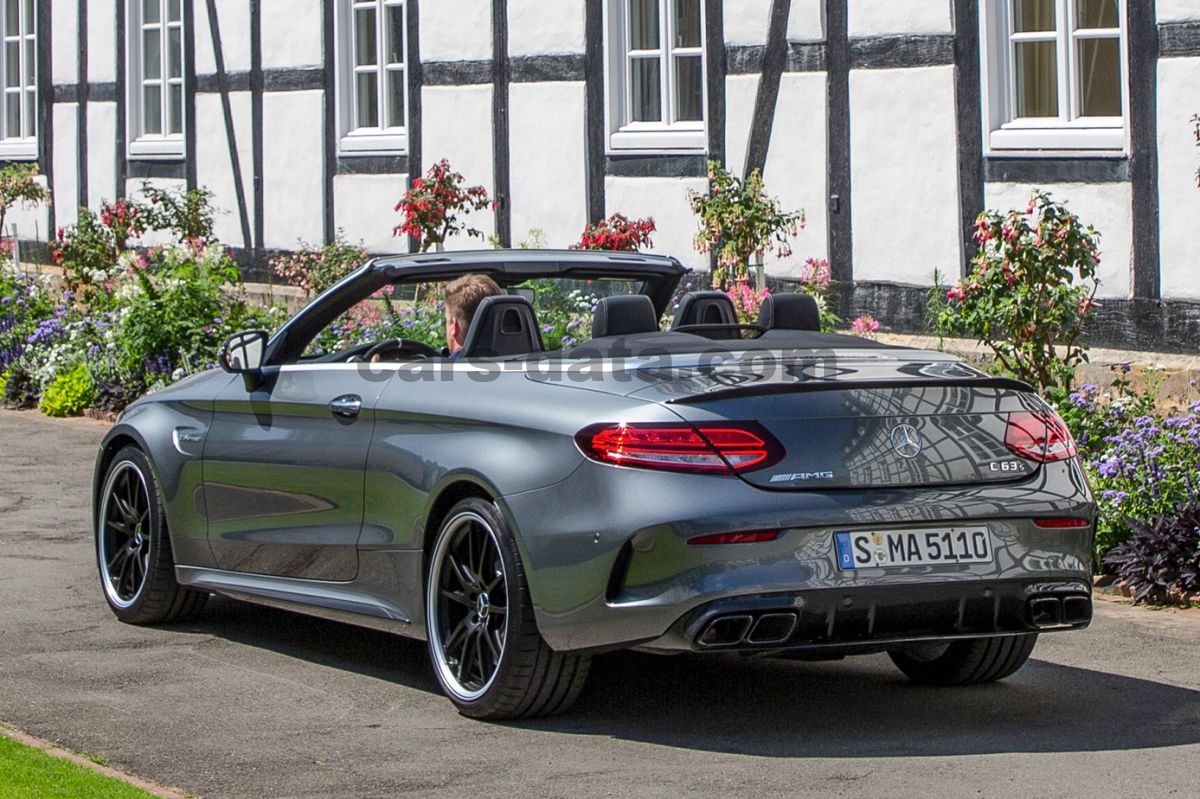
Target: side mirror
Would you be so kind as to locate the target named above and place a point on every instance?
(242, 354)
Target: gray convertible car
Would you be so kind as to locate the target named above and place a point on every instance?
(765, 490)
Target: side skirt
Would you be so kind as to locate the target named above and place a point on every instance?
(334, 601)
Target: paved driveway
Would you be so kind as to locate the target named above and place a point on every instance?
(248, 702)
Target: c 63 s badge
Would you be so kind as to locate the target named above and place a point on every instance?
(1008, 467)
(797, 477)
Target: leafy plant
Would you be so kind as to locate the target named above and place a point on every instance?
(1030, 293)
(314, 269)
(187, 214)
(739, 221)
(70, 394)
(618, 233)
(125, 220)
(431, 207)
(86, 251)
(19, 185)
(1161, 560)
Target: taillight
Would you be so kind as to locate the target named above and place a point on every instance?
(1041, 437)
(720, 539)
(1062, 523)
(723, 448)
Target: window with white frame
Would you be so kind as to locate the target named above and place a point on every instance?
(1055, 74)
(18, 121)
(372, 48)
(156, 78)
(656, 74)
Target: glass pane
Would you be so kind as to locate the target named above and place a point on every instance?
(12, 116)
(151, 54)
(30, 62)
(643, 25)
(1100, 78)
(366, 99)
(12, 17)
(174, 14)
(29, 19)
(12, 64)
(29, 128)
(1033, 15)
(175, 52)
(395, 95)
(645, 89)
(687, 23)
(151, 110)
(364, 36)
(176, 108)
(689, 89)
(150, 12)
(395, 30)
(1097, 14)
(1037, 79)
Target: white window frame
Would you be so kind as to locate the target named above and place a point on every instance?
(1004, 131)
(625, 135)
(353, 140)
(155, 145)
(20, 147)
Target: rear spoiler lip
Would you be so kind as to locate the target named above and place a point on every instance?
(800, 386)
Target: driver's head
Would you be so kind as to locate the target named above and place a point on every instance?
(462, 300)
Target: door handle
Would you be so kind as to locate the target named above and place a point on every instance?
(346, 406)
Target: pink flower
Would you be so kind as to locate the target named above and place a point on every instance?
(864, 326)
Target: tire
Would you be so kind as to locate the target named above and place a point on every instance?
(972, 662)
(133, 547)
(486, 651)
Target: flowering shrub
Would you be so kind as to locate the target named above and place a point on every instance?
(739, 221)
(87, 253)
(865, 326)
(617, 233)
(124, 220)
(186, 214)
(1030, 292)
(565, 315)
(746, 301)
(315, 269)
(24, 302)
(1161, 560)
(70, 394)
(19, 184)
(431, 207)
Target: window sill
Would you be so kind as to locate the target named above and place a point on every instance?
(657, 140)
(156, 149)
(366, 144)
(19, 150)
(1008, 139)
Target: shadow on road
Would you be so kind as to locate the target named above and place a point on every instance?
(859, 707)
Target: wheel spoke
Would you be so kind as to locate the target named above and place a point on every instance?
(495, 650)
(118, 557)
(462, 658)
(459, 572)
(483, 671)
(458, 598)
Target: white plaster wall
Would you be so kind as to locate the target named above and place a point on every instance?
(877, 17)
(665, 199)
(740, 94)
(66, 163)
(1178, 159)
(233, 20)
(1177, 10)
(548, 162)
(746, 21)
(293, 204)
(64, 34)
(292, 33)
(1107, 206)
(102, 148)
(102, 41)
(363, 210)
(457, 124)
(806, 23)
(796, 163)
(214, 164)
(29, 221)
(457, 30)
(904, 174)
(134, 190)
(538, 28)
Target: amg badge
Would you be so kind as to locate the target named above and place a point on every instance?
(794, 477)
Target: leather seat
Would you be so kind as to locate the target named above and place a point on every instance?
(624, 315)
(503, 325)
(707, 308)
(789, 312)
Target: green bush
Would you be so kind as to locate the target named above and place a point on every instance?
(70, 393)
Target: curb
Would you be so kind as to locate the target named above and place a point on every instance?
(108, 771)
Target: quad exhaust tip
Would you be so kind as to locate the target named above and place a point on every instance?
(763, 630)
(1054, 611)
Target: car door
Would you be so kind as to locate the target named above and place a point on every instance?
(284, 469)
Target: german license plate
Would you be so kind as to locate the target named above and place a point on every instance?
(866, 549)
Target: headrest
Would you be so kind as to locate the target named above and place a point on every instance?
(503, 325)
(789, 312)
(624, 315)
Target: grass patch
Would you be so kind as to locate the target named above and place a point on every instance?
(27, 773)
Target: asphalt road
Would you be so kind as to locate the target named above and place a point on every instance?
(249, 702)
